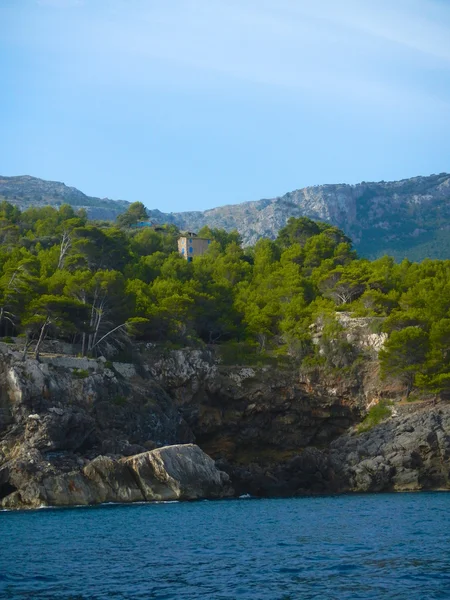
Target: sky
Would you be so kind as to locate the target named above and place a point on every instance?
(192, 104)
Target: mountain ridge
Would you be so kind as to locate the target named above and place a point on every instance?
(26, 191)
(409, 218)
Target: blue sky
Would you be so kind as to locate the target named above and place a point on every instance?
(191, 104)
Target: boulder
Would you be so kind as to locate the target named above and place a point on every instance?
(113, 480)
(179, 472)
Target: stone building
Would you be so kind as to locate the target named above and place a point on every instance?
(190, 245)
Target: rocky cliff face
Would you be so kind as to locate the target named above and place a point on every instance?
(78, 431)
(60, 413)
(408, 218)
(284, 431)
(238, 413)
(411, 451)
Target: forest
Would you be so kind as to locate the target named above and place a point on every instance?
(95, 284)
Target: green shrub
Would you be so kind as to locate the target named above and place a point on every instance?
(376, 415)
(314, 361)
(248, 354)
(119, 400)
(80, 373)
(238, 353)
(338, 352)
(7, 340)
(414, 397)
(376, 325)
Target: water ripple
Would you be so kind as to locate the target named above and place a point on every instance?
(392, 546)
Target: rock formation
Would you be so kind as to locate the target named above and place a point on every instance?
(408, 218)
(79, 431)
(411, 451)
(280, 431)
(179, 472)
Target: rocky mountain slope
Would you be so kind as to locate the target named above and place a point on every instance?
(408, 218)
(25, 191)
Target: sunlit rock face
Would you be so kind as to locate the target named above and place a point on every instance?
(83, 431)
(179, 472)
(408, 218)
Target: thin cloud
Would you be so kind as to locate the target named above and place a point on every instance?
(362, 50)
(60, 3)
(417, 25)
(366, 52)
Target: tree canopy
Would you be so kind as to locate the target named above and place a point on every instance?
(94, 282)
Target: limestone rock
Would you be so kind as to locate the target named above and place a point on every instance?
(44, 405)
(66, 429)
(275, 430)
(25, 191)
(180, 472)
(408, 452)
(114, 481)
(367, 212)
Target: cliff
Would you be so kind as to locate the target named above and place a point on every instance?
(408, 218)
(284, 431)
(67, 426)
(79, 431)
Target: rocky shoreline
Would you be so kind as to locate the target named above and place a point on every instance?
(185, 426)
(179, 472)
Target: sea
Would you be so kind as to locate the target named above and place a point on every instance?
(373, 546)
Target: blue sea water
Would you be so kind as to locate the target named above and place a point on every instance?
(391, 546)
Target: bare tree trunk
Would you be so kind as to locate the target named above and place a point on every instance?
(28, 343)
(100, 314)
(66, 243)
(409, 384)
(41, 338)
(83, 335)
(107, 334)
(3, 313)
(92, 321)
(262, 341)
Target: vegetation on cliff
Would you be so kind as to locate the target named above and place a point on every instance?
(93, 283)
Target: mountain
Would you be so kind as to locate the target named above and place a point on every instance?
(25, 191)
(408, 218)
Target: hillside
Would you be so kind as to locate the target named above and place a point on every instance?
(25, 191)
(297, 366)
(408, 218)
